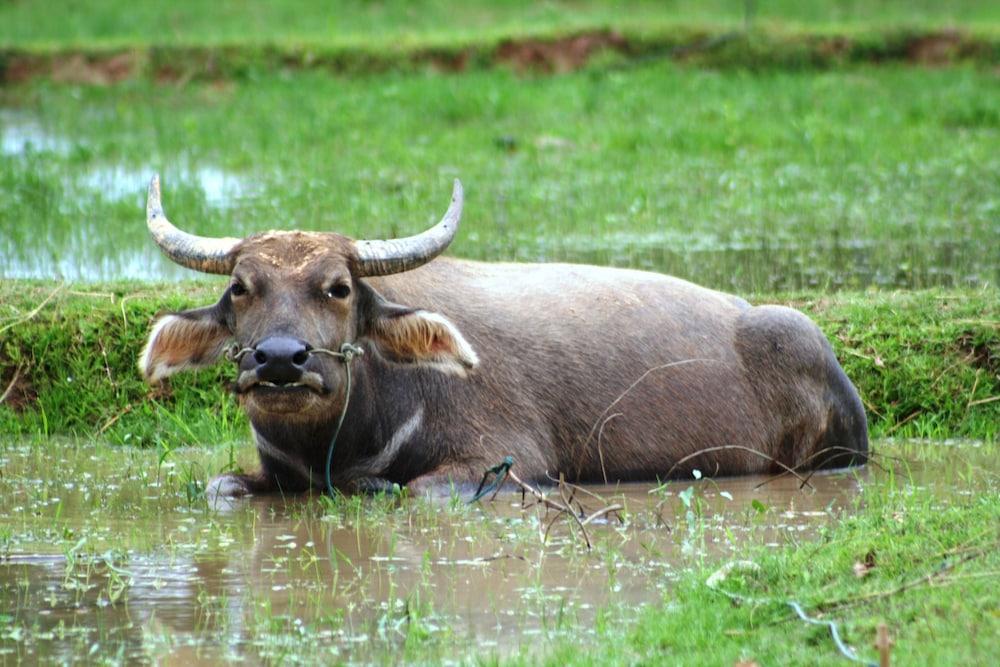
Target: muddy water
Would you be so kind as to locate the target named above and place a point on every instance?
(102, 553)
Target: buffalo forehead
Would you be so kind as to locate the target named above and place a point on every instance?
(297, 253)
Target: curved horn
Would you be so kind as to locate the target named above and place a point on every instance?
(200, 253)
(381, 258)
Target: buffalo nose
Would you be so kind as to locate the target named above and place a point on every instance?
(280, 359)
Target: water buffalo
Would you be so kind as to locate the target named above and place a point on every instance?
(598, 373)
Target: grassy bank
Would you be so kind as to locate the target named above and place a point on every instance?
(923, 565)
(763, 182)
(559, 51)
(927, 364)
(110, 41)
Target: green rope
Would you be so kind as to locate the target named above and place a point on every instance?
(500, 471)
(347, 353)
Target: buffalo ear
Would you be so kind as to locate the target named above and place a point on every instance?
(178, 341)
(412, 336)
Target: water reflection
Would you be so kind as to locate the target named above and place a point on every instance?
(71, 233)
(21, 134)
(857, 264)
(350, 585)
(846, 264)
(220, 188)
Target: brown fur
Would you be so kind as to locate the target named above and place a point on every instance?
(178, 343)
(427, 338)
(595, 372)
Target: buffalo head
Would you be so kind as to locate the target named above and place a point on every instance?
(293, 299)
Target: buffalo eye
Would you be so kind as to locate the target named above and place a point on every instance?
(339, 291)
(237, 288)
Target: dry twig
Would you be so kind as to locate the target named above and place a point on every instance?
(601, 418)
(600, 453)
(576, 487)
(983, 401)
(111, 422)
(37, 309)
(563, 506)
(975, 385)
(10, 386)
(896, 426)
(926, 579)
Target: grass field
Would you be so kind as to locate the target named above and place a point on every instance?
(913, 542)
(392, 22)
(109, 42)
(748, 182)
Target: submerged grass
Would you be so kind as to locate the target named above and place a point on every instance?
(760, 182)
(927, 363)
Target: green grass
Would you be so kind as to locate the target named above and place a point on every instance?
(941, 609)
(926, 363)
(77, 362)
(771, 181)
(390, 23)
(109, 41)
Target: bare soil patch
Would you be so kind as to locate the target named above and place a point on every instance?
(547, 55)
(559, 55)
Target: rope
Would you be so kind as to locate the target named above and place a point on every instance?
(500, 471)
(235, 353)
(714, 581)
(347, 353)
(834, 632)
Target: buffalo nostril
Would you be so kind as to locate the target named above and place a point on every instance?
(280, 359)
